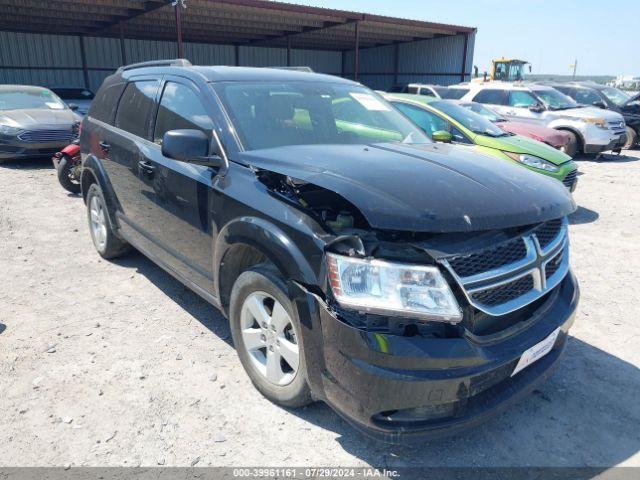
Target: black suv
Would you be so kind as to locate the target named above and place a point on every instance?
(611, 98)
(413, 288)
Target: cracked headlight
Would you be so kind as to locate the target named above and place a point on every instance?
(533, 161)
(9, 130)
(390, 288)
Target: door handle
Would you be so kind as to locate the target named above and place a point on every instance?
(146, 167)
(104, 146)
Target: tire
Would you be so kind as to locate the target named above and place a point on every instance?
(104, 239)
(572, 146)
(64, 176)
(259, 296)
(632, 137)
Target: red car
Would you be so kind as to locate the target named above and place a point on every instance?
(556, 138)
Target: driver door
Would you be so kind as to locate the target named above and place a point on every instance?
(519, 107)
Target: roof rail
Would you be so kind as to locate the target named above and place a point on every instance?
(176, 62)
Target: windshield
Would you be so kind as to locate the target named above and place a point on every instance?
(276, 114)
(73, 93)
(554, 100)
(474, 122)
(24, 98)
(616, 96)
(484, 111)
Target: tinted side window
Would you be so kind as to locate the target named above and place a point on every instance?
(180, 108)
(103, 107)
(521, 99)
(491, 97)
(427, 121)
(134, 107)
(426, 92)
(585, 96)
(453, 93)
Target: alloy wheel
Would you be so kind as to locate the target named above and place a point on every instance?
(98, 223)
(270, 338)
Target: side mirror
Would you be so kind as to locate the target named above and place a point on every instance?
(73, 107)
(191, 146)
(599, 104)
(536, 108)
(442, 136)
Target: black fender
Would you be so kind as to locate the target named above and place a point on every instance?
(93, 172)
(269, 240)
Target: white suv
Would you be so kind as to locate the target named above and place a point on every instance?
(592, 130)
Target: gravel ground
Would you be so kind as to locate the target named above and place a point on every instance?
(117, 364)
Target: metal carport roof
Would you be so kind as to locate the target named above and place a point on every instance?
(237, 22)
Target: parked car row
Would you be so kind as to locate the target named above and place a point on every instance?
(596, 118)
(403, 258)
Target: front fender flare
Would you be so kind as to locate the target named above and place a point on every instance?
(268, 239)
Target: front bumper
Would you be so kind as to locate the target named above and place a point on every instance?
(10, 149)
(373, 379)
(598, 140)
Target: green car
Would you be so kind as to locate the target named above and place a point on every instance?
(445, 121)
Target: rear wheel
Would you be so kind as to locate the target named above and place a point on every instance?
(571, 148)
(266, 334)
(104, 239)
(67, 175)
(632, 137)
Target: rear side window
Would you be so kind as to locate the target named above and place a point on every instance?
(180, 108)
(585, 96)
(452, 93)
(491, 97)
(103, 107)
(134, 107)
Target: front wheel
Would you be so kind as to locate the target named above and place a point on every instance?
(67, 175)
(267, 336)
(632, 136)
(571, 148)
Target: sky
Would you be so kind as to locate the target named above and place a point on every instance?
(604, 36)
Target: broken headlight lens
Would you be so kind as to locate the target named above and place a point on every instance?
(533, 161)
(389, 288)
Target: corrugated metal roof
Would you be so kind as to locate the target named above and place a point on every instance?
(230, 22)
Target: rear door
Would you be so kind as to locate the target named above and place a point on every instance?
(178, 193)
(497, 99)
(122, 149)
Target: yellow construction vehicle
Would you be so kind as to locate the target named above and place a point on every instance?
(505, 70)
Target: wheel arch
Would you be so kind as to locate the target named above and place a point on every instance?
(93, 172)
(248, 241)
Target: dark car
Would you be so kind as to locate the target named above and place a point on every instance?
(611, 98)
(414, 289)
(34, 122)
(76, 98)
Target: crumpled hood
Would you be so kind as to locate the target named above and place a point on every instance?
(423, 188)
(37, 117)
(553, 137)
(520, 144)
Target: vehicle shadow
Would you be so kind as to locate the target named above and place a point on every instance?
(607, 158)
(208, 315)
(3, 327)
(583, 215)
(572, 420)
(28, 163)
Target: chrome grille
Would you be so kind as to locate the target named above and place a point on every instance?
(504, 293)
(468, 265)
(502, 287)
(570, 179)
(47, 135)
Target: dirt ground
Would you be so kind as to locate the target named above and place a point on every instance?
(117, 364)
